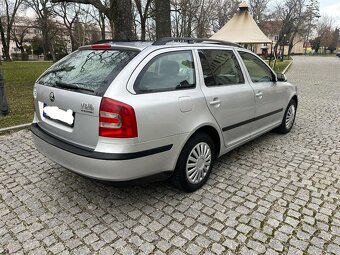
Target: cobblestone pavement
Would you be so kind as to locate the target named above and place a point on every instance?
(277, 194)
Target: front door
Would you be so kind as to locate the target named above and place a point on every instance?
(268, 95)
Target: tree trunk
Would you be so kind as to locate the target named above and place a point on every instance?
(74, 45)
(4, 43)
(102, 24)
(52, 51)
(163, 21)
(143, 25)
(123, 20)
(46, 46)
(8, 41)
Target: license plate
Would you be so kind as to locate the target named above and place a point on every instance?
(55, 113)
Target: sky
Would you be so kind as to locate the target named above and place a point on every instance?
(331, 8)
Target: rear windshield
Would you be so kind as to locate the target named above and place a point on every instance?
(87, 71)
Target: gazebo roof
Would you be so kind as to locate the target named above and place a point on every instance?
(242, 28)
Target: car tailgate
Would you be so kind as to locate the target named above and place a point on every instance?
(53, 104)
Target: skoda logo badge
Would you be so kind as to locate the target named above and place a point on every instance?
(52, 98)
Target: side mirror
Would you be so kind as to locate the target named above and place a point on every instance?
(281, 77)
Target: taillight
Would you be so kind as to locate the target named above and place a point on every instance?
(116, 119)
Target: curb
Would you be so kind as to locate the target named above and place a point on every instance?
(15, 127)
(287, 67)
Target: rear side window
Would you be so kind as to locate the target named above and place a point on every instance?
(257, 70)
(220, 67)
(166, 72)
(87, 70)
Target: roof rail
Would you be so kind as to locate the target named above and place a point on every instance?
(113, 41)
(165, 40)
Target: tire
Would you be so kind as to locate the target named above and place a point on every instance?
(288, 118)
(191, 174)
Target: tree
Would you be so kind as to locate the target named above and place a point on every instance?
(315, 44)
(69, 12)
(194, 17)
(326, 33)
(183, 17)
(44, 11)
(143, 15)
(37, 45)
(6, 24)
(335, 39)
(163, 20)
(98, 16)
(21, 28)
(226, 11)
(119, 13)
(259, 9)
(296, 17)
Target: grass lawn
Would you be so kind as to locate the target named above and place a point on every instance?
(19, 80)
(279, 66)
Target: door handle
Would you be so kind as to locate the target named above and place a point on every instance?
(215, 101)
(259, 94)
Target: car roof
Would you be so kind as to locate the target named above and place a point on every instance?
(165, 43)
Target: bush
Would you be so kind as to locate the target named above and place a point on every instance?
(19, 56)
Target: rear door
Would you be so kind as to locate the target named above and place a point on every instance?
(229, 98)
(269, 96)
(68, 95)
(166, 99)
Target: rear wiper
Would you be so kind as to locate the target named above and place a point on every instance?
(71, 86)
(65, 68)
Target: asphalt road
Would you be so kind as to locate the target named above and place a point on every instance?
(278, 194)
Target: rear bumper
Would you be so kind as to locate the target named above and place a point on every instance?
(105, 166)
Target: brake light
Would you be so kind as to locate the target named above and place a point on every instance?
(103, 46)
(116, 119)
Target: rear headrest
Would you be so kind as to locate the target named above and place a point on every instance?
(169, 67)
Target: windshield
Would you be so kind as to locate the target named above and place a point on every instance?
(87, 70)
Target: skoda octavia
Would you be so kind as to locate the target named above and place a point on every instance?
(131, 110)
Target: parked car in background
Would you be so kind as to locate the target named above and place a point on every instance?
(338, 54)
(130, 110)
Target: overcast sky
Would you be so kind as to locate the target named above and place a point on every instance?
(331, 8)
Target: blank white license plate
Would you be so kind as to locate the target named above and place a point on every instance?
(55, 113)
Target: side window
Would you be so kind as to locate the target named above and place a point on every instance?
(257, 70)
(220, 67)
(168, 71)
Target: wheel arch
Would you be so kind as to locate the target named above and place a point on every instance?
(209, 130)
(296, 99)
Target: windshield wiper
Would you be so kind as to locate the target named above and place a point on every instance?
(71, 86)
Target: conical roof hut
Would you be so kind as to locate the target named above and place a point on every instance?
(242, 29)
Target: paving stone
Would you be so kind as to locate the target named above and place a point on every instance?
(294, 251)
(217, 248)
(193, 249)
(333, 248)
(275, 195)
(230, 232)
(257, 246)
(231, 244)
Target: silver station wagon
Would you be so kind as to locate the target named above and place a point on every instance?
(122, 111)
